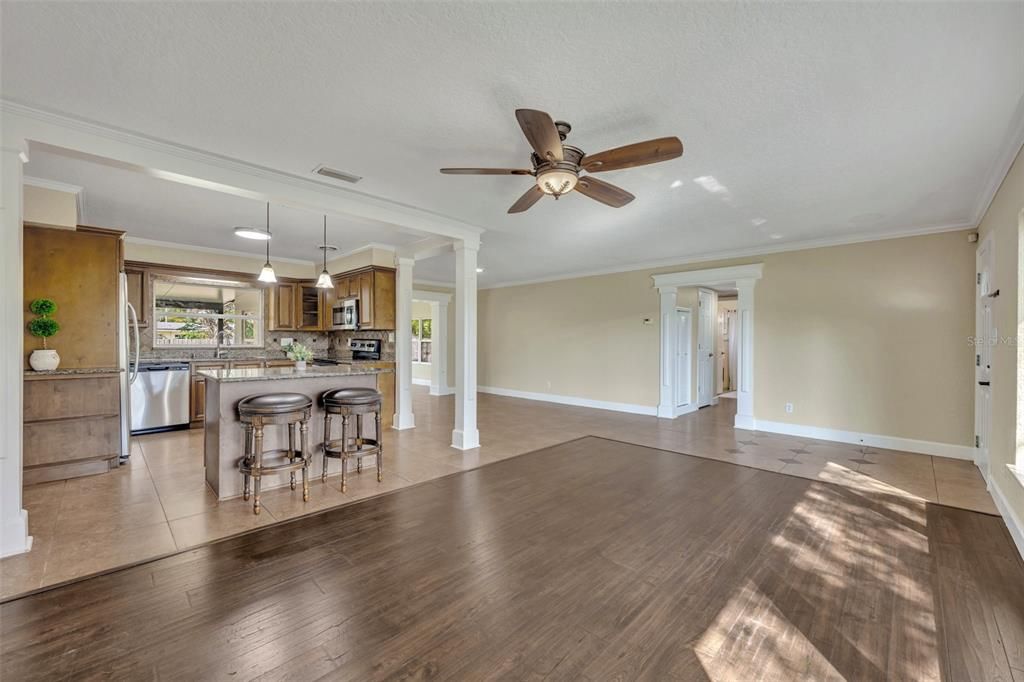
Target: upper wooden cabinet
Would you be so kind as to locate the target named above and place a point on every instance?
(309, 302)
(375, 289)
(282, 307)
(138, 293)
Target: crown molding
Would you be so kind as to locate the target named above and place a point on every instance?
(742, 253)
(1012, 145)
(180, 163)
(220, 252)
(65, 187)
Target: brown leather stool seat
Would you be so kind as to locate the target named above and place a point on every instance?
(352, 395)
(270, 409)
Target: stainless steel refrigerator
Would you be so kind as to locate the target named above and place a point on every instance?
(128, 361)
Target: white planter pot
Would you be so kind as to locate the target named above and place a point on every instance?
(44, 360)
(300, 364)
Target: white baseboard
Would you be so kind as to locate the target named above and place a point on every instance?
(571, 400)
(421, 382)
(447, 390)
(1012, 521)
(924, 447)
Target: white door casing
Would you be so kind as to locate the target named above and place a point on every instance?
(986, 335)
(744, 278)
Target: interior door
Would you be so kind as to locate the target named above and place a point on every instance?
(706, 347)
(985, 336)
(683, 359)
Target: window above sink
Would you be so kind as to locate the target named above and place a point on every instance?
(206, 313)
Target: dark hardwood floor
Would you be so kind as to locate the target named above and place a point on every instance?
(590, 560)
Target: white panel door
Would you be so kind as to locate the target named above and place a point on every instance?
(985, 337)
(707, 300)
(683, 359)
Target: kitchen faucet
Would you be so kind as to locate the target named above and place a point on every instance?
(219, 337)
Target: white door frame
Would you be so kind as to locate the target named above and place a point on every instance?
(684, 339)
(439, 332)
(744, 278)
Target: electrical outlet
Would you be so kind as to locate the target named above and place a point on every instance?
(789, 408)
(549, 385)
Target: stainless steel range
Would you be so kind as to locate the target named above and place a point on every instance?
(365, 349)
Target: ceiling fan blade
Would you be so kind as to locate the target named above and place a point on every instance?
(639, 154)
(541, 133)
(524, 202)
(604, 192)
(486, 171)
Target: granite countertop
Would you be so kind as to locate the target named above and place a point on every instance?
(31, 373)
(272, 373)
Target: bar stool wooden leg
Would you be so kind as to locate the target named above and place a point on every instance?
(248, 461)
(291, 450)
(359, 442)
(304, 440)
(344, 451)
(327, 439)
(380, 447)
(258, 447)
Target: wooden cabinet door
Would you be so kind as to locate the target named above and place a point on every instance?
(309, 304)
(138, 294)
(364, 285)
(384, 299)
(282, 307)
(197, 399)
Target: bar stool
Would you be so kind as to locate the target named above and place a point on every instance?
(269, 409)
(348, 403)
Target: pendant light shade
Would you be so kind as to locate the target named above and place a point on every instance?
(324, 280)
(267, 273)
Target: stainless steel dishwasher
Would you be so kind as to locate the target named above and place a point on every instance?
(160, 396)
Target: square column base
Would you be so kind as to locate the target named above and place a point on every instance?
(465, 440)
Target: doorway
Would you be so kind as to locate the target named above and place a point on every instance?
(683, 345)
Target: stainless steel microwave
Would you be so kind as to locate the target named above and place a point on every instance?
(345, 314)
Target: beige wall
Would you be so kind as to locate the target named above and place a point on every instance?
(867, 337)
(151, 253)
(50, 207)
(1002, 221)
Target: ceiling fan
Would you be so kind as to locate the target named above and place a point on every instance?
(557, 166)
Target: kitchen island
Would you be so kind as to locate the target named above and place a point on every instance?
(223, 440)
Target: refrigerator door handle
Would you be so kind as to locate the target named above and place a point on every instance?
(135, 329)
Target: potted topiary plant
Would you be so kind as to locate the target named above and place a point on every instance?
(300, 354)
(43, 327)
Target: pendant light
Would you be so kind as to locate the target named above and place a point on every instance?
(267, 273)
(324, 281)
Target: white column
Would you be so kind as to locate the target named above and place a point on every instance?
(404, 418)
(439, 359)
(669, 340)
(465, 435)
(745, 361)
(14, 537)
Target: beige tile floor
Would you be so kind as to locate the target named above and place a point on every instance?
(158, 503)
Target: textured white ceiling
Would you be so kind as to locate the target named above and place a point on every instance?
(801, 121)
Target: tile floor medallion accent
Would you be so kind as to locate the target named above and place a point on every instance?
(159, 503)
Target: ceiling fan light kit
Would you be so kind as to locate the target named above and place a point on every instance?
(556, 166)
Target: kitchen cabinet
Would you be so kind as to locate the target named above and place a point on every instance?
(197, 394)
(309, 302)
(138, 293)
(375, 289)
(282, 307)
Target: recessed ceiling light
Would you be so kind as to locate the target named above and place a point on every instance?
(758, 222)
(479, 269)
(336, 174)
(676, 184)
(252, 233)
(775, 235)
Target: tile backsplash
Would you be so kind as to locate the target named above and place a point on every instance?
(319, 342)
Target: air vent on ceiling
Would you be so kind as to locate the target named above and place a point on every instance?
(336, 174)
